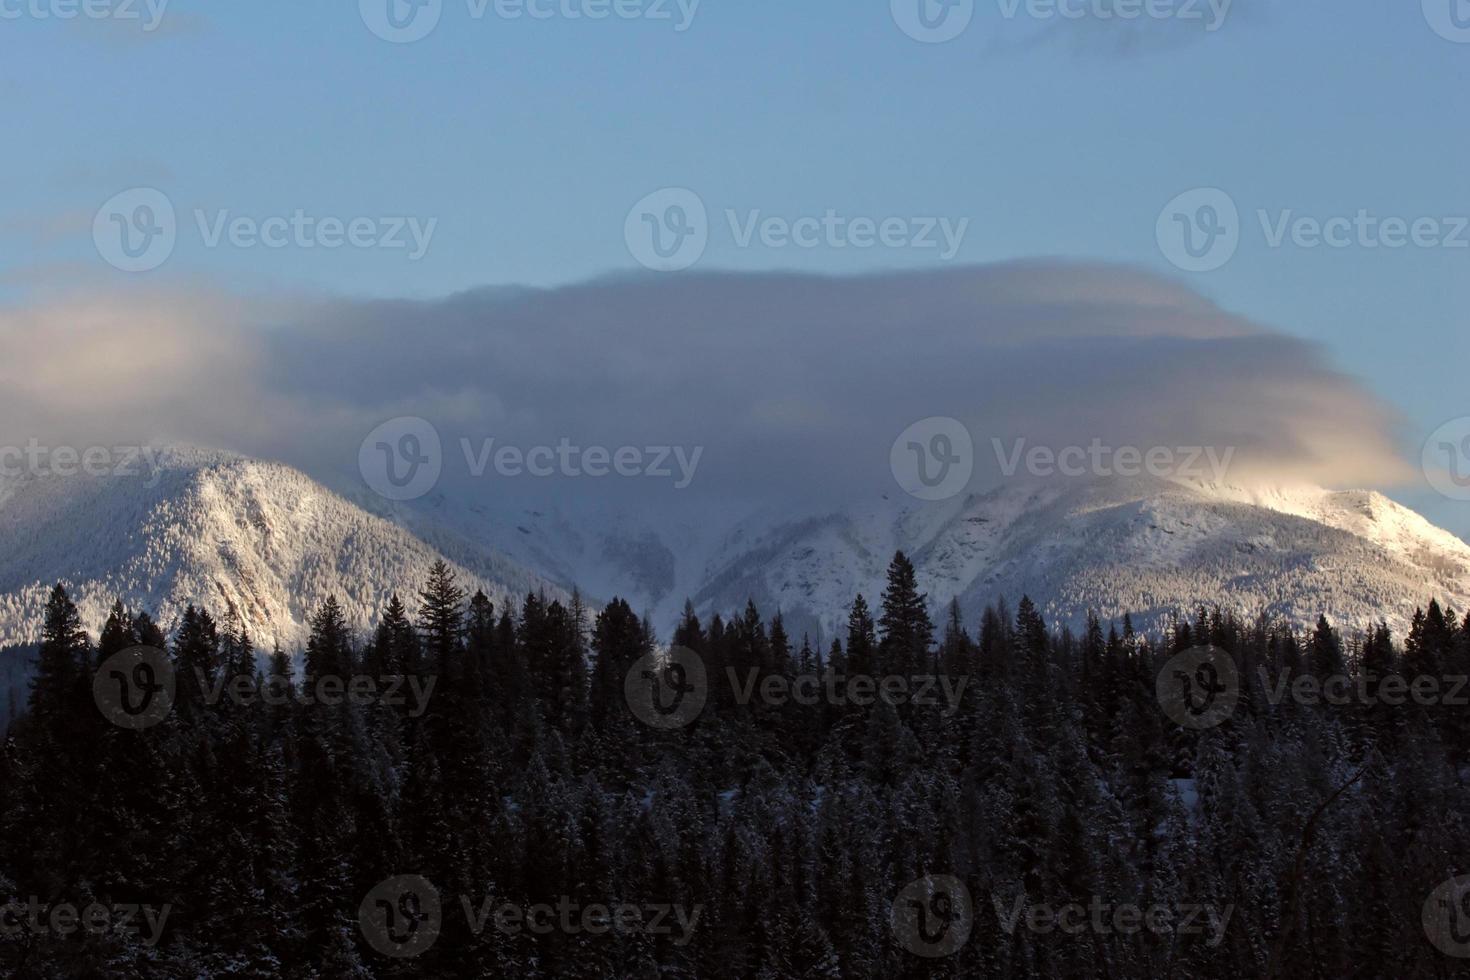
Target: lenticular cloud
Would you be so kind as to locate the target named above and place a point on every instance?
(792, 383)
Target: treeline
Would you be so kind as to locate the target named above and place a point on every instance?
(527, 777)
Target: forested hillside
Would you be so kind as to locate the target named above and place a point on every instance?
(520, 810)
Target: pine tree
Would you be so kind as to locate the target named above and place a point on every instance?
(1326, 654)
(441, 617)
(62, 663)
(905, 626)
(862, 640)
(330, 759)
(618, 642)
(197, 657)
(118, 633)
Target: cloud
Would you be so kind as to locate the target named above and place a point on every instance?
(793, 384)
(146, 367)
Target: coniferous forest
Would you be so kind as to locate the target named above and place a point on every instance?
(517, 811)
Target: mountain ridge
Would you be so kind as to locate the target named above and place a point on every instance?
(223, 530)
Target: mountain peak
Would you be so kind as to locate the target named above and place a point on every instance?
(219, 530)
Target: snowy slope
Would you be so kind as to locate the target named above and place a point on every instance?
(219, 529)
(1151, 548)
(602, 551)
(216, 530)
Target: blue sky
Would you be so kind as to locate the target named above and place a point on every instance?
(528, 140)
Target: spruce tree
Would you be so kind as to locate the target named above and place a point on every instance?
(905, 626)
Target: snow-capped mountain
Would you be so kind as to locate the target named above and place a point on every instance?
(222, 530)
(1150, 548)
(217, 530)
(1147, 547)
